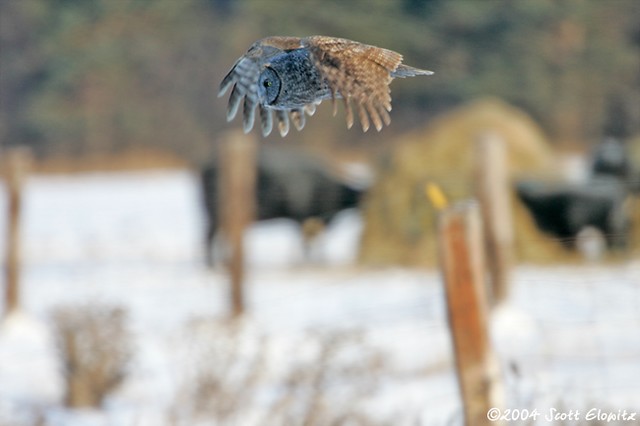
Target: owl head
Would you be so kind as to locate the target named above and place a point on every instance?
(291, 80)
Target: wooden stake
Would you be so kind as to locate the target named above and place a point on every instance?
(492, 190)
(462, 263)
(237, 165)
(18, 162)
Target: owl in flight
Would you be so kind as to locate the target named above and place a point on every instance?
(291, 75)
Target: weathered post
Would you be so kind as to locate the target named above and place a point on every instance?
(18, 162)
(461, 250)
(237, 165)
(492, 191)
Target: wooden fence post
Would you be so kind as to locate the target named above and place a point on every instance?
(237, 165)
(461, 250)
(18, 163)
(492, 191)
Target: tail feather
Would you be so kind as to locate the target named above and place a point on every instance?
(404, 71)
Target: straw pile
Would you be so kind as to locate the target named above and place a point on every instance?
(399, 219)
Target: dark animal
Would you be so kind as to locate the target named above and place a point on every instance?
(598, 205)
(289, 185)
(563, 210)
(611, 158)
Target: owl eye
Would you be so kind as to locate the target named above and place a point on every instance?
(269, 86)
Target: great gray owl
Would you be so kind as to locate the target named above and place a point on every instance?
(292, 75)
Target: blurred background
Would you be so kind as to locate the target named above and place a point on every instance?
(106, 77)
(114, 102)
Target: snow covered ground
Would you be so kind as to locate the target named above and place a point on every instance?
(570, 337)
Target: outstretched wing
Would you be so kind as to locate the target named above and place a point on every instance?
(360, 73)
(353, 71)
(243, 79)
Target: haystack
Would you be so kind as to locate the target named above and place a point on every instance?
(634, 200)
(399, 220)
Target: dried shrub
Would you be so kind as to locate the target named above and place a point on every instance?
(227, 362)
(329, 386)
(232, 380)
(95, 348)
(35, 416)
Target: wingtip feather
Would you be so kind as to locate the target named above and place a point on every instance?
(266, 121)
(404, 71)
(234, 103)
(249, 112)
(283, 122)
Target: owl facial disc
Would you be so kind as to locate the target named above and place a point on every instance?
(269, 85)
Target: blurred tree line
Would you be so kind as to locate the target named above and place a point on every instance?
(87, 76)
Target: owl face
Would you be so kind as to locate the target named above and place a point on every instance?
(291, 75)
(269, 85)
(290, 80)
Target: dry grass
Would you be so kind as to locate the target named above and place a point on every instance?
(329, 388)
(232, 381)
(95, 347)
(126, 160)
(35, 418)
(326, 378)
(634, 201)
(226, 364)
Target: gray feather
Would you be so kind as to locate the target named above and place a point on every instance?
(283, 122)
(234, 102)
(249, 112)
(404, 71)
(267, 121)
(298, 118)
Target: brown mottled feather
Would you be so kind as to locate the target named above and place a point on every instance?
(357, 72)
(281, 42)
(349, 112)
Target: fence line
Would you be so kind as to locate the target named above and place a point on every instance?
(18, 163)
(492, 191)
(237, 163)
(462, 261)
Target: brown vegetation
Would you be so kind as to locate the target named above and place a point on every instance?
(95, 348)
(399, 220)
(129, 159)
(229, 371)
